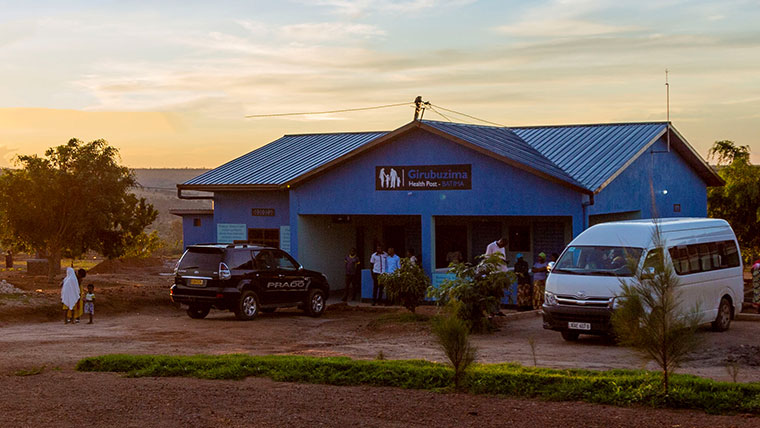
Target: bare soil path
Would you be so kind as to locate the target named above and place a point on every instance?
(134, 316)
(64, 398)
(358, 332)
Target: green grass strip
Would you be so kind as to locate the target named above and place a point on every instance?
(614, 387)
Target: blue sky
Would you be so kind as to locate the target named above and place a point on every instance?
(170, 83)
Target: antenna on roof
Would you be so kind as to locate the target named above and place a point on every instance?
(667, 108)
(419, 107)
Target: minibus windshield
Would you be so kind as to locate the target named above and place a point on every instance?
(597, 260)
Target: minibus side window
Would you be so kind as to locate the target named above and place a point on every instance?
(705, 257)
(653, 262)
(680, 258)
(693, 259)
(705, 261)
(731, 254)
(715, 254)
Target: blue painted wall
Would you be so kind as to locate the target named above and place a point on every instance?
(630, 191)
(235, 207)
(204, 233)
(497, 189)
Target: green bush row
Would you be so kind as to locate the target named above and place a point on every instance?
(614, 387)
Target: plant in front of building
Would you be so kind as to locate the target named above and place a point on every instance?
(453, 336)
(738, 202)
(407, 285)
(648, 313)
(479, 288)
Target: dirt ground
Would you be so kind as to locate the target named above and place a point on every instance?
(56, 399)
(134, 315)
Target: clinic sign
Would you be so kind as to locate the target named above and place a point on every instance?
(423, 177)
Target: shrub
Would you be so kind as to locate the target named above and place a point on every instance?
(406, 285)
(479, 288)
(453, 336)
(649, 317)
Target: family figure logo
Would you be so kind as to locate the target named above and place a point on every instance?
(391, 180)
(423, 177)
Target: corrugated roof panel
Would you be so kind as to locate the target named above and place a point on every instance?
(504, 142)
(284, 159)
(582, 155)
(591, 153)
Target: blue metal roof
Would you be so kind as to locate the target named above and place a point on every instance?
(284, 159)
(584, 156)
(504, 142)
(591, 153)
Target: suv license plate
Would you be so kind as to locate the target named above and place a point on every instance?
(197, 282)
(579, 325)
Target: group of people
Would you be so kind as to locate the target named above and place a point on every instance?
(530, 294)
(75, 298)
(381, 261)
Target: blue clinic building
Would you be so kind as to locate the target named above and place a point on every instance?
(441, 188)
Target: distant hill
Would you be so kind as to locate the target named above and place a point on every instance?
(159, 187)
(166, 178)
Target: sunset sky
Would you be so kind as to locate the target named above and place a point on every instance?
(169, 83)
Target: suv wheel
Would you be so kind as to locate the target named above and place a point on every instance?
(248, 306)
(315, 305)
(198, 312)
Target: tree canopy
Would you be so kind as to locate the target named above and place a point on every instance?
(738, 202)
(73, 199)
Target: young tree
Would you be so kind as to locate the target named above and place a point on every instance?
(74, 199)
(738, 202)
(479, 288)
(406, 285)
(453, 337)
(649, 315)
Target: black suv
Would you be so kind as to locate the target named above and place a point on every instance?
(245, 279)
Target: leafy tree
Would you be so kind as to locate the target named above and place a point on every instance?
(74, 199)
(406, 285)
(479, 288)
(738, 202)
(649, 317)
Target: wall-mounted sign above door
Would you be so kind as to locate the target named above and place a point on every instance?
(423, 177)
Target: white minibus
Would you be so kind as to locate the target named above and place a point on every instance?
(583, 284)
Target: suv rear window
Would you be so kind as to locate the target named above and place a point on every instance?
(201, 258)
(239, 259)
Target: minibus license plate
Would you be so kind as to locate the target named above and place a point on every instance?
(197, 282)
(579, 325)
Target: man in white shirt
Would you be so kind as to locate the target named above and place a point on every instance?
(499, 246)
(378, 263)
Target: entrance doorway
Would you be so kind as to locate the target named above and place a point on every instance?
(450, 240)
(395, 236)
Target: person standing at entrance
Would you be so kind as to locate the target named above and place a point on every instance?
(352, 275)
(524, 288)
(539, 280)
(377, 261)
(410, 255)
(499, 246)
(393, 261)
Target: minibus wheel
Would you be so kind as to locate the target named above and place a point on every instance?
(723, 320)
(570, 336)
